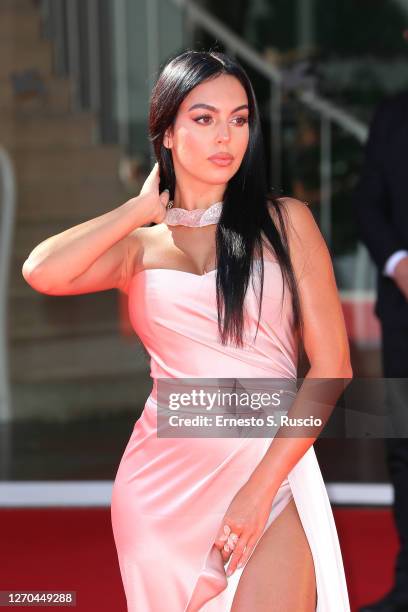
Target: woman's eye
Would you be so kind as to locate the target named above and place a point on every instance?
(197, 119)
(244, 120)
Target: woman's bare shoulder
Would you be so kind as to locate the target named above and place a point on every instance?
(303, 233)
(293, 209)
(287, 203)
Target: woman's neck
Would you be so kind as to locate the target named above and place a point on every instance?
(189, 200)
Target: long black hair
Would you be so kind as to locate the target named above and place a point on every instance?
(245, 212)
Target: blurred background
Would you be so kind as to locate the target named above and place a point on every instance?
(75, 81)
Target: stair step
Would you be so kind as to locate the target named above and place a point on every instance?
(16, 57)
(82, 199)
(58, 99)
(17, 45)
(66, 163)
(39, 316)
(35, 132)
(77, 358)
(19, 25)
(63, 401)
(57, 119)
(18, 5)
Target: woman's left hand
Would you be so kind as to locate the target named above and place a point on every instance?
(243, 523)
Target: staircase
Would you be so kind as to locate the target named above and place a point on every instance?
(68, 357)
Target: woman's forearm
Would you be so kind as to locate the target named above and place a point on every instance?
(317, 398)
(67, 255)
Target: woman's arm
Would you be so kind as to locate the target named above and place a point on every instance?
(94, 255)
(325, 342)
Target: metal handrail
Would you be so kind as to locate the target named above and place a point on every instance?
(239, 46)
(7, 224)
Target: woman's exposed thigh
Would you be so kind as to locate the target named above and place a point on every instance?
(279, 575)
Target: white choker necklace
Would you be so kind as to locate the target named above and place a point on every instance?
(193, 218)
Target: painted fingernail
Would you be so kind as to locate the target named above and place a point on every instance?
(227, 529)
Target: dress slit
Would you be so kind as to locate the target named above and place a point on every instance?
(212, 579)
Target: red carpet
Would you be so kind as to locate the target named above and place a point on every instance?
(369, 544)
(73, 549)
(62, 549)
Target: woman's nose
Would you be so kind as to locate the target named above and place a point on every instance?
(223, 133)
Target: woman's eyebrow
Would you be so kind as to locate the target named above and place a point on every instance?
(212, 108)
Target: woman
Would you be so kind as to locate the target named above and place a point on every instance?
(182, 508)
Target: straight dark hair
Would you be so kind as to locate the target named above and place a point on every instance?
(245, 212)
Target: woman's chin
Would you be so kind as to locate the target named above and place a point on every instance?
(215, 175)
(221, 173)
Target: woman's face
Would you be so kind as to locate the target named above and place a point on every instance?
(200, 132)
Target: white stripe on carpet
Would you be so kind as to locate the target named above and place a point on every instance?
(45, 494)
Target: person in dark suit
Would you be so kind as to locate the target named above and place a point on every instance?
(381, 208)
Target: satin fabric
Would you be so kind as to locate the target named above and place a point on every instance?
(170, 494)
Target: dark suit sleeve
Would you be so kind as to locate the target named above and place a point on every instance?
(371, 197)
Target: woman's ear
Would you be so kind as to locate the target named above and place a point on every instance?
(167, 140)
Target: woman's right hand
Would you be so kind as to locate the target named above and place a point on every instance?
(157, 202)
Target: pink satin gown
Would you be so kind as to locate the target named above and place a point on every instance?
(170, 494)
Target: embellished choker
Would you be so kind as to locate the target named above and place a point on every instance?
(198, 217)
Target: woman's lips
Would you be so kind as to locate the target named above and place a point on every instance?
(221, 160)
